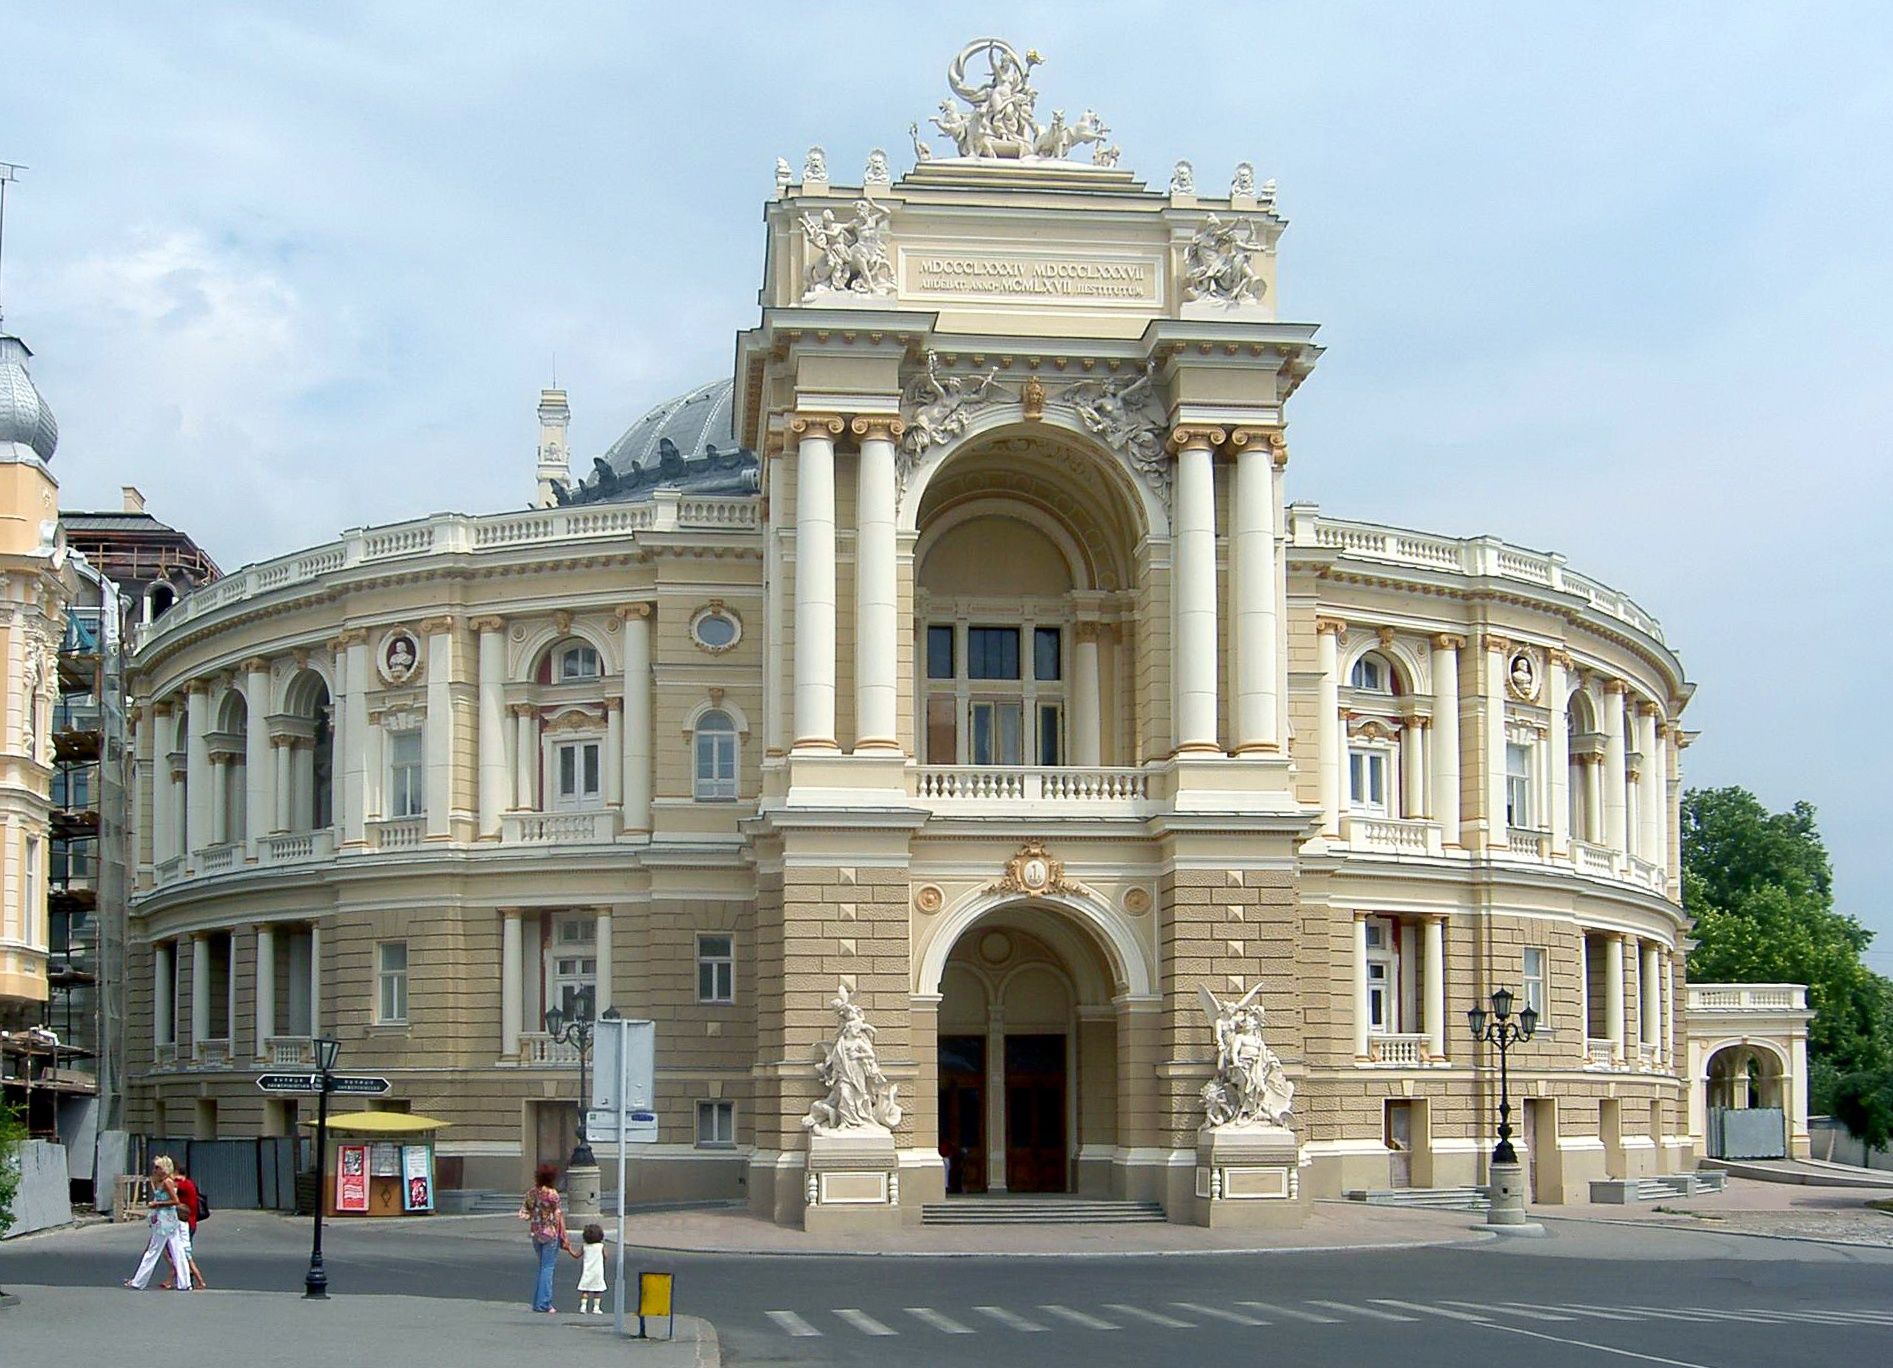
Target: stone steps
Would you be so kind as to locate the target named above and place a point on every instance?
(1449, 1199)
(1037, 1210)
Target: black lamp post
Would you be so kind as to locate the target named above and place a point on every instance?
(1503, 1032)
(577, 1031)
(316, 1285)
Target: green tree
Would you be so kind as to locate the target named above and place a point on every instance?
(1761, 889)
(12, 1133)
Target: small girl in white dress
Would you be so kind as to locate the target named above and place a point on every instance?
(591, 1273)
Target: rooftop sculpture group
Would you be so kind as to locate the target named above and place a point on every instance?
(999, 119)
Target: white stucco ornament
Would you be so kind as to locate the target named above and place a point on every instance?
(1250, 1087)
(999, 120)
(848, 256)
(937, 407)
(1219, 264)
(859, 1094)
(1127, 415)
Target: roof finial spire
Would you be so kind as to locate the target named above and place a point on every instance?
(9, 172)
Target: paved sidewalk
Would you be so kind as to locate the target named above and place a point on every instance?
(1747, 1207)
(281, 1330)
(1330, 1225)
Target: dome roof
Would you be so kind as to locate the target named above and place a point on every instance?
(685, 443)
(27, 427)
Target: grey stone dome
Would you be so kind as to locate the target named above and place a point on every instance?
(687, 443)
(28, 430)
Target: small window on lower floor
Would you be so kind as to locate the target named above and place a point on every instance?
(716, 969)
(391, 1005)
(716, 1124)
(1534, 977)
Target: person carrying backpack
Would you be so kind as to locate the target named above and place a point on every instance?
(191, 1208)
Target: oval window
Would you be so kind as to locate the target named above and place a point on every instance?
(715, 629)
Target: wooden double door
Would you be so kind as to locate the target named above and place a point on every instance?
(1034, 1080)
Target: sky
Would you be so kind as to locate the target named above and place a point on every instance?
(1606, 279)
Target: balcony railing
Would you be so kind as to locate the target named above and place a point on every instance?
(296, 847)
(168, 871)
(398, 833)
(1528, 843)
(1747, 997)
(1411, 1051)
(211, 1054)
(1602, 1054)
(1101, 791)
(219, 859)
(1398, 835)
(289, 1051)
(558, 828)
(536, 1047)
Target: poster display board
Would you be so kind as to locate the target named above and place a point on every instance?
(384, 1160)
(417, 1175)
(351, 1178)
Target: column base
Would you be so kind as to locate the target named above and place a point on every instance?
(1507, 1195)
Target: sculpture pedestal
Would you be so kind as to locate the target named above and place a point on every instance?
(1507, 1195)
(1248, 1177)
(581, 1192)
(853, 1180)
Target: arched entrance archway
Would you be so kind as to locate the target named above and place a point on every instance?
(1028, 1071)
(1746, 1102)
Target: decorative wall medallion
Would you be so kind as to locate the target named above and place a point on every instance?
(399, 658)
(1521, 676)
(715, 628)
(995, 947)
(1137, 901)
(929, 898)
(1033, 870)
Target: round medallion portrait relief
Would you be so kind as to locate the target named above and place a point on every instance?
(400, 656)
(1521, 672)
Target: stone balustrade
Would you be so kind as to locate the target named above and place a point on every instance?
(1747, 997)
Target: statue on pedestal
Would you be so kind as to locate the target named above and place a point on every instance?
(859, 1094)
(1250, 1086)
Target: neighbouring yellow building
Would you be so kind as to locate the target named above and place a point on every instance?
(958, 654)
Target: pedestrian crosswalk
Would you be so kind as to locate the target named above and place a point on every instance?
(1167, 1316)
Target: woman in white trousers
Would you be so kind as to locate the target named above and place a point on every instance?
(166, 1237)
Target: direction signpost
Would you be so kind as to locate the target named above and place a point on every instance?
(624, 1109)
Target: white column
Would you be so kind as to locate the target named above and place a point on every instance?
(774, 617)
(602, 981)
(1650, 995)
(1330, 734)
(200, 785)
(164, 814)
(163, 984)
(525, 757)
(1087, 721)
(374, 760)
(1650, 786)
(219, 799)
(265, 988)
(258, 758)
(283, 772)
(1258, 725)
(1412, 768)
(876, 691)
(512, 961)
(815, 582)
(491, 742)
(1433, 978)
(1446, 736)
(638, 725)
(1193, 660)
(315, 979)
(614, 752)
(1614, 995)
(1559, 758)
(437, 738)
(1668, 1046)
(349, 762)
(1614, 763)
(1360, 985)
(1498, 837)
(200, 992)
(1594, 798)
(1584, 993)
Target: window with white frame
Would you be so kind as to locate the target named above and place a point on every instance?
(406, 768)
(1534, 982)
(716, 969)
(1371, 674)
(576, 767)
(716, 1123)
(575, 662)
(995, 693)
(715, 757)
(572, 984)
(1369, 773)
(391, 974)
(1383, 999)
(1518, 784)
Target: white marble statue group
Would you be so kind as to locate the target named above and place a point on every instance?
(859, 1094)
(999, 122)
(1250, 1087)
(849, 255)
(1219, 264)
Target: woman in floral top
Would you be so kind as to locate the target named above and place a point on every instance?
(547, 1216)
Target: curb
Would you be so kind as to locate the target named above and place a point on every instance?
(1474, 1236)
(1699, 1226)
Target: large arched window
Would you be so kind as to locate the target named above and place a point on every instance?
(1372, 674)
(715, 753)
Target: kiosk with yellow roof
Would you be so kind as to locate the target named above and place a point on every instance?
(382, 1164)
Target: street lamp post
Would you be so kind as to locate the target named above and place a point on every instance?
(315, 1287)
(581, 1188)
(1502, 1032)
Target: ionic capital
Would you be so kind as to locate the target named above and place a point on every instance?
(1330, 627)
(1495, 642)
(1262, 438)
(256, 665)
(1193, 436)
(1448, 641)
(875, 427)
(624, 612)
(491, 622)
(434, 626)
(522, 709)
(803, 424)
(199, 687)
(1561, 658)
(347, 637)
(613, 703)
(1616, 686)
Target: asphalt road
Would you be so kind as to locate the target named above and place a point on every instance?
(1586, 1295)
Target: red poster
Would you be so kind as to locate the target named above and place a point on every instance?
(351, 1178)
